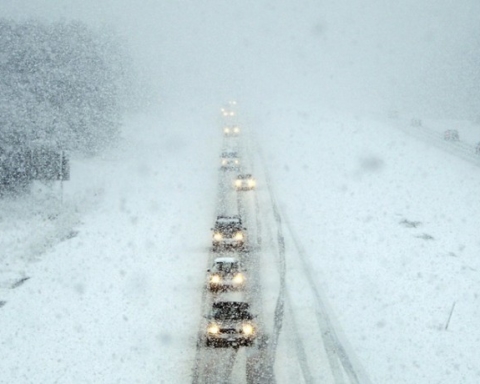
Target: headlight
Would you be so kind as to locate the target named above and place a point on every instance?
(213, 329)
(217, 236)
(232, 113)
(251, 183)
(247, 329)
(226, 130)
(224, 162)
(236, 129)
(215, 279)
(238, 183)
(236, 161)
(238, 279)
(239, 236)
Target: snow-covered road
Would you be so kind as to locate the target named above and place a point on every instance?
(386, 225)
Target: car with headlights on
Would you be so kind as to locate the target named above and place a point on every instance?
(451, 135)
(228, 232)
(229, 109)
(231, 130)
(230, 161)
(245, 182)
(230, 324)
(226, 274)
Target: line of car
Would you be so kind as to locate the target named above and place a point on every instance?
(230, 322)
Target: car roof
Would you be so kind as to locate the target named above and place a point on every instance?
(228, 219)
(225, 260)
(229, 154)
(244, 176)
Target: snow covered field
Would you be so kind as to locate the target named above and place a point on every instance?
(118, 303)
(391, 228)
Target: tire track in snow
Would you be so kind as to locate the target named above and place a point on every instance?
(283, 297)
(336, 346)
(336, 352)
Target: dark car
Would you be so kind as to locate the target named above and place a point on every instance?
(230, 161)
(245, 182)
(230, 324)
(228, 233)
(225, 274)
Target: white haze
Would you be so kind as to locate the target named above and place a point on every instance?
(415, 56)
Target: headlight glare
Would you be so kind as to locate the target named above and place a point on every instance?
(217, 236)
(238, 279)
(213, 328)
(215, 279)
(239, 236)
(247, 329)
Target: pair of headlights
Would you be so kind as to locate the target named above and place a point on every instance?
(225, 162)
(250, 183)
(237, 279)
(234, 130)
(219, 237)
(247, 329)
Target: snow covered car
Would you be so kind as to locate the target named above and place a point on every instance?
(230, 160)
(245, 182)
(451, 135)
(226, 274)
(228, 233)
(230, 324)
(231, 130)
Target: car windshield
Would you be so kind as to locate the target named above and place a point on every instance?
(227, 267)
(229, 155)
(228, 222)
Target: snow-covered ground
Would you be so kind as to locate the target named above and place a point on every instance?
(389, 225)
(119, 302)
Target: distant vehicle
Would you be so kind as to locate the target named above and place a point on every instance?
(245, 182)
(228, 233)
(477, 149)
(230, 325)
(231, 130)
(416, 122)
(230, 161)
(226, 274)
(229, 110)
(451, 135)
